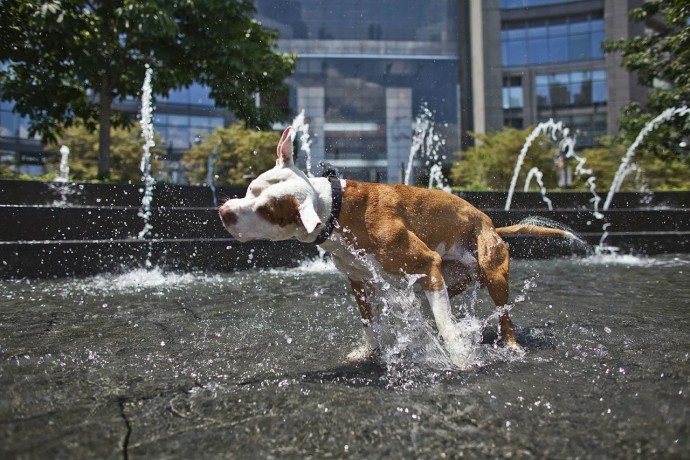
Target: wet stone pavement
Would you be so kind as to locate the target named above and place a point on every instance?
(149, 364)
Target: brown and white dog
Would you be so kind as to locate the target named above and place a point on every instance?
(403, 230)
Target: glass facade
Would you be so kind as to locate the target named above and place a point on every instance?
(399, 20)
(513, 97)
(364, 69)
(181, 131)
(11, 124)
(554, 66)
(508, 4)
(571, 89)
(552, 40)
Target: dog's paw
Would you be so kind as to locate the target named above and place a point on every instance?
(362, 353)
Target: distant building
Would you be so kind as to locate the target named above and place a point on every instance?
(553, 66)
(366, 68)
(363, 73)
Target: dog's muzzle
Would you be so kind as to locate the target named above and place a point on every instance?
(227, 216)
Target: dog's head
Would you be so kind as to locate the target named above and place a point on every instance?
(280, 204)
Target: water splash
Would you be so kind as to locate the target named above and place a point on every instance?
(63, 172)
(624, 168)
(538, 176)
(549, 127)
(302, 130)
(60, 182)
(210, 174)
(145, 165)
(426, 146)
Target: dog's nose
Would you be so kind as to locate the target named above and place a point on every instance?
(228, 216)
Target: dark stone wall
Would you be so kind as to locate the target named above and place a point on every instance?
(49, 229)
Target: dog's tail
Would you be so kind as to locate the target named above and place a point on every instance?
(535, 230)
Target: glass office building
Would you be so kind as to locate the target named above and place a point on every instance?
(364, 71)
(553, 64)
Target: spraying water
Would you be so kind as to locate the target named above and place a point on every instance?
(302, 130)
(427, 145)
(539, 177)
(549, 127)
(624, 168)
(63, 174)
(60, 182)
(210, 174)
(145, 166)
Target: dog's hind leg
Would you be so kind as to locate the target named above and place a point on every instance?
(494, 266)
(400, 251)
(370, 345)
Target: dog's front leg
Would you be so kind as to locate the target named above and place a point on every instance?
(370, 345)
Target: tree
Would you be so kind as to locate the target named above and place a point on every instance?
(661, 58)
(65, 61)
(490, 164)
(241, 154)
(126, 151)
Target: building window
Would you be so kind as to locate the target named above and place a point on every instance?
(512, 93)
(181, 131)
(13, 124)
(406, 20)
(514, 122)
(509, 4)
(571, 89)
(552, 40)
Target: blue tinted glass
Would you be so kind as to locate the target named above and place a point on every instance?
(180, 96)
(537, 51)
(360, 20)
(580, 47)
(558, 30)
(579, 27)
(516, 53)
(599, 92)
(537, 32)
(507, 4)
(515, 34)
(558, 49)
(579, 77)
(543, 99)
(198, 94)
(596, 51)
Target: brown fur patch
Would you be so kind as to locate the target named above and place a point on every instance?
(281, 211)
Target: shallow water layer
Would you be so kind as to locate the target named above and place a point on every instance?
(149, 364)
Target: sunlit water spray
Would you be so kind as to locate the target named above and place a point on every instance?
(539, 177)
(625, 167)
(302, 132)
(426, 146)
(405, 332)
(210, 175)
(60, 182)
(145, 165)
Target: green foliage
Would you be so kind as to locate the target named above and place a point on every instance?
(661, 59)
(126, 152)
(490, 164)
(653, 172)
(65, 61)
(242, 154)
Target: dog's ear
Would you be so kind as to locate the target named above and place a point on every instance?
(307, 214)
(284, 149)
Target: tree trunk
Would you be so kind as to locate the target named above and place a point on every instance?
(104, 131)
